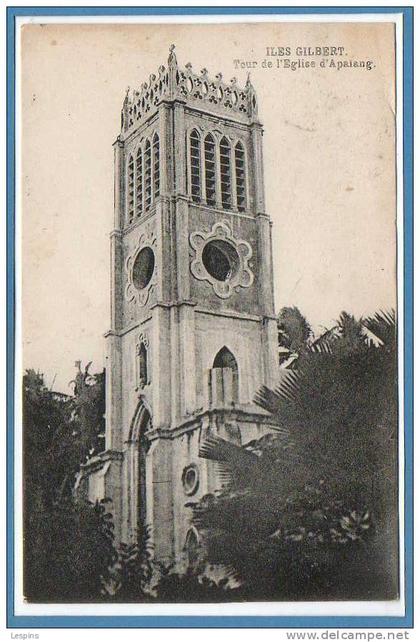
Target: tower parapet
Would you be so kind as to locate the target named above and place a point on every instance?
(212, 95)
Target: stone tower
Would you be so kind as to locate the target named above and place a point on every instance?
(193, 333)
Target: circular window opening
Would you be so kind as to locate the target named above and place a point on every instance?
(220, 259)
(143, 268)
(190, 479)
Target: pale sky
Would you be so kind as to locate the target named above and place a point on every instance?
(329, 169)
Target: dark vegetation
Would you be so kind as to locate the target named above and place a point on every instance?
(309, 512)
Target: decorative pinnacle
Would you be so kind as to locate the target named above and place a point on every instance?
(172, 57)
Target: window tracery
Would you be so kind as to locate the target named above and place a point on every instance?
(240, 177)
(195, 165)
(139, 182)
(147, 175)
(225, 174)
(217, 171)
(210, 169)
(156, 167)
(130, 191)
(143, 178)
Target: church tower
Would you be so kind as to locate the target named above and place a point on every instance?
(193, 333)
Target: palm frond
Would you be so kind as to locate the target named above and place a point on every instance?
(234, 462)
(286, 391)
(383, 325)
(218, 449)
(323, 343)
(266, 399)
(224, 474)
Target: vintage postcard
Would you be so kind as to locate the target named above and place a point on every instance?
(209, 365)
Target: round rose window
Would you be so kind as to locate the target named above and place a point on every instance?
(143, 268)
(220, 259)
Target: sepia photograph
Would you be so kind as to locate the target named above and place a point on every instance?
(209, 364)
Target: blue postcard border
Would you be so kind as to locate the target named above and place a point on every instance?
(406, 621)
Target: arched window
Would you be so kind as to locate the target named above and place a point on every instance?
(210, 169)
(142, 356)
(195, 163)
(139, 182)
(240, 177)
(225, 359)
(156, 167)
(225, 174)
(147, 175)
(192, 548)
(130, 190)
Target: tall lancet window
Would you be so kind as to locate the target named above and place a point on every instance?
(225, 174)
(130, 190)
(142, 365)
(210, 169)
(139, 182)
(240, 177)
(195, 162)
(156, 167)
(147, 175)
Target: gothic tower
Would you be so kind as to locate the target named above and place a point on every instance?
(193, 333)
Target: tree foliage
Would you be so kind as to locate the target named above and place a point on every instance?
(294, 331)
(304, 511)
(190, 587)
(68, 545)
(134, 570)
(70, 552)
(89, 411)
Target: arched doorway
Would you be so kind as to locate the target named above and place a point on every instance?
(192, 548)
(140, 444)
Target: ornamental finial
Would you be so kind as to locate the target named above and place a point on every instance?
(172, 57)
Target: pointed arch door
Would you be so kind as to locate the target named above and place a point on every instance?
(139, 446)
